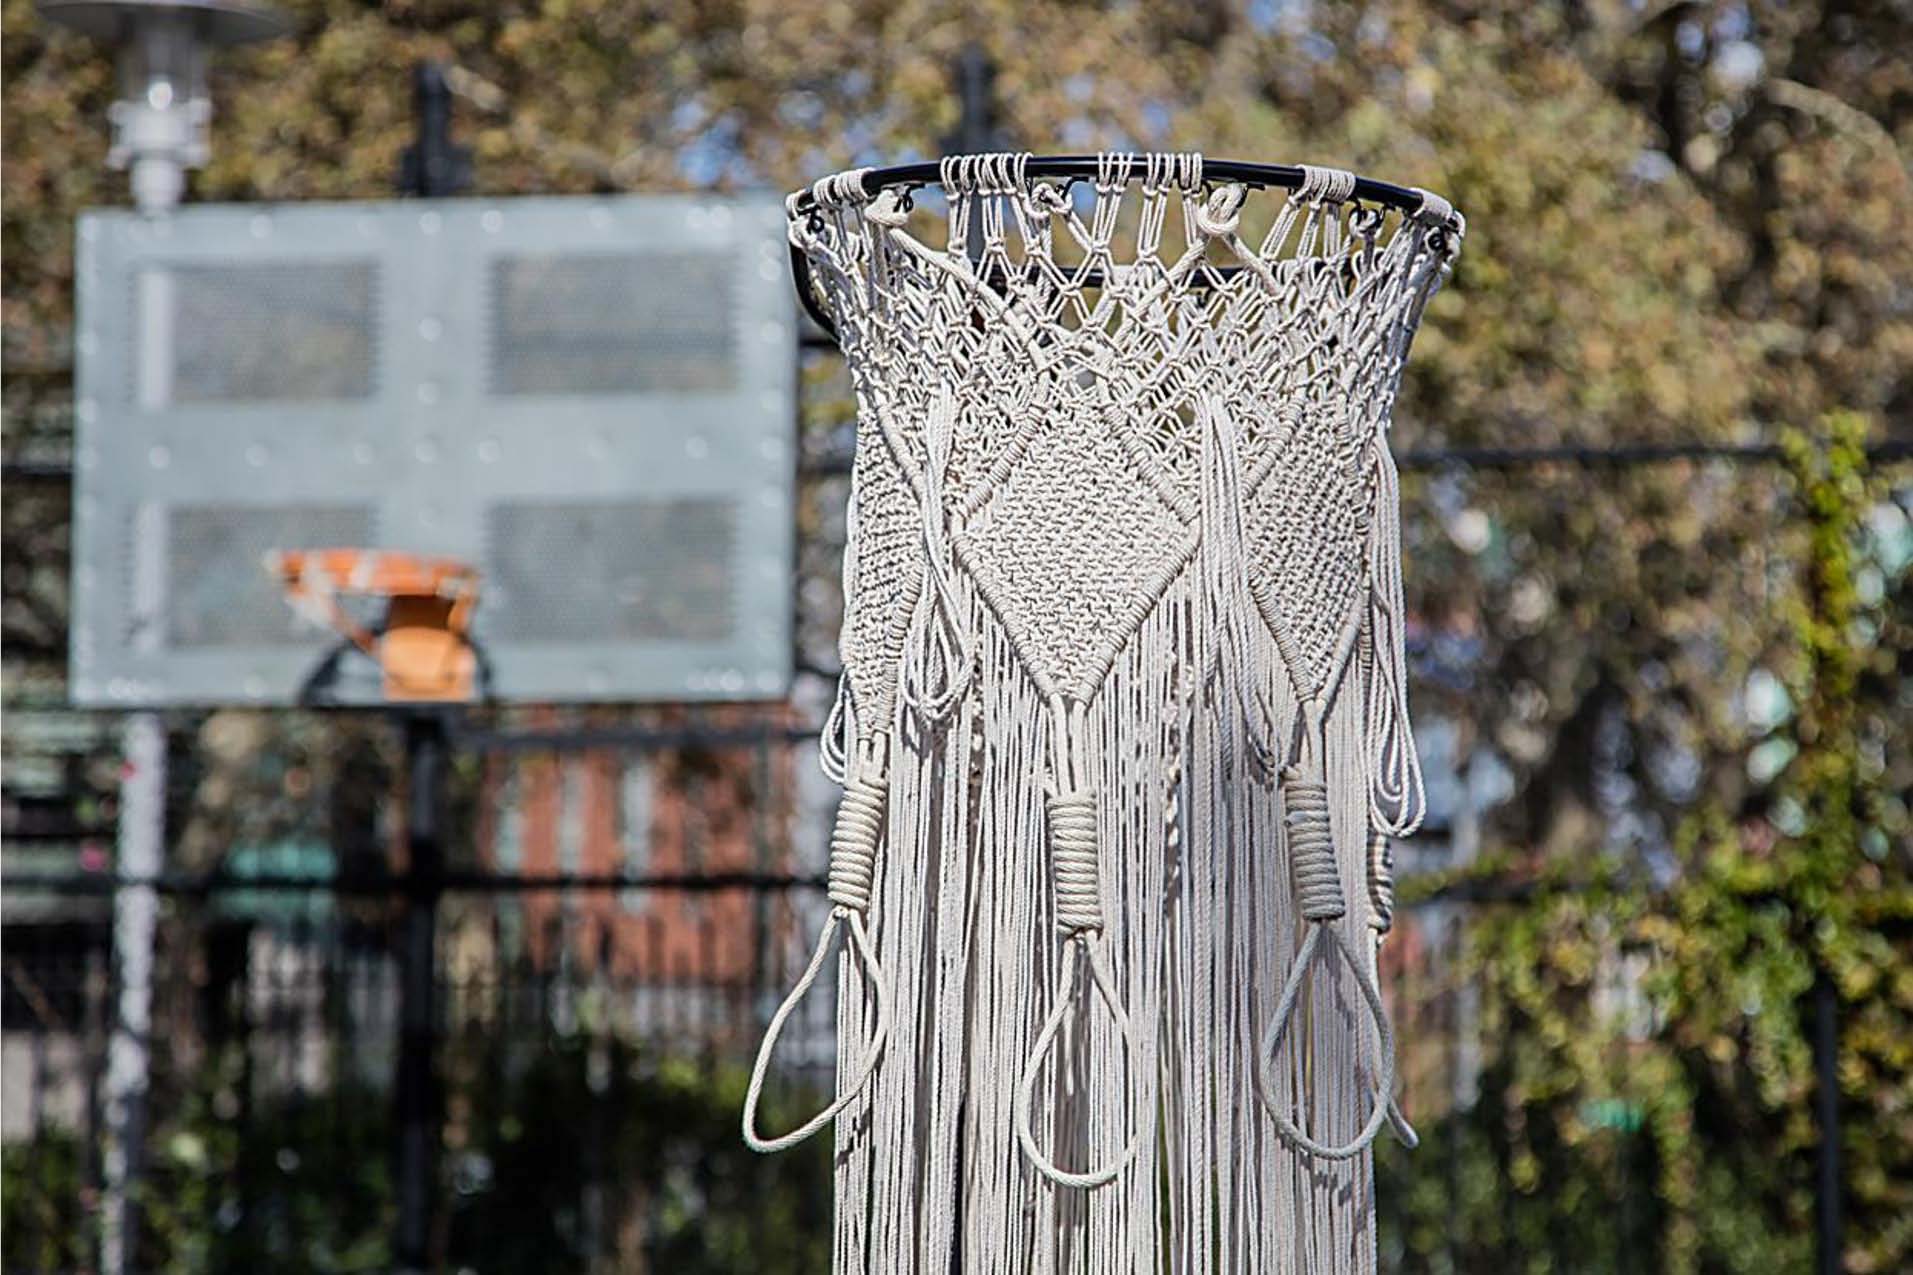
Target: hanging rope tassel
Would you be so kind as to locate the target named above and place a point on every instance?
(940, 657)
(1398, 797)
(1381, 918)
(1318, 893)
(1231, 611)
(1076, 866)
(853, 871)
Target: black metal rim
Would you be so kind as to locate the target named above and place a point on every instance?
(1073, 168)
(1214, 171)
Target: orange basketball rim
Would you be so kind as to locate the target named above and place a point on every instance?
(423, 646)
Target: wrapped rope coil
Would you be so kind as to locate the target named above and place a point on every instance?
(1077, 896)
(1318, 892)
(853, 860)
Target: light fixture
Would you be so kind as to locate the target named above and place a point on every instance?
(161, 117)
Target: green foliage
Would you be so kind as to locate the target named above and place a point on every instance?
(571, 1155)
(583, 1152)
(1641, 1033)
(44, 1223)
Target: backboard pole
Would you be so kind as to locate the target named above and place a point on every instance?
(416, 1097)
(139, 859)
(974, 76)
(432, 167)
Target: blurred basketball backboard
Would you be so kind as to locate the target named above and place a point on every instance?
(591, 400)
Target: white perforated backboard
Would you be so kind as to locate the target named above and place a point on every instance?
(591, 399)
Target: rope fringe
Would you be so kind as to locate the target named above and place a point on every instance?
(1124, 699)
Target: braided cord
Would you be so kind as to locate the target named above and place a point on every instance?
(1318, 884)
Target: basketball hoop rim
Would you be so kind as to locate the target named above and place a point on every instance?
(1256, 176)
(1408, 201)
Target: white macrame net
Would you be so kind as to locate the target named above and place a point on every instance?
(1123, 731)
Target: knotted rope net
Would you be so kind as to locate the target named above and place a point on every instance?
(1123, 722)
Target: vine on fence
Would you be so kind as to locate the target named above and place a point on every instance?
(1664, 1029)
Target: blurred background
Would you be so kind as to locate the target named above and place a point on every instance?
(346, 989)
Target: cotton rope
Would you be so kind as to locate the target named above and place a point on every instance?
(1123, 727)
(1077, 899)
(853, 863)
(1318, 892)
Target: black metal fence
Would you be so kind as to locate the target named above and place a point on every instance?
(588, 1028)
(585, 1101)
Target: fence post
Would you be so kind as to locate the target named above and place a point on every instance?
(415, 1093)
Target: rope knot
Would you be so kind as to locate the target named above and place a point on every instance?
(1074, 861)
(1220, 216)
(853, 844)
(1318, 886)
(1047, 199)
(887, 209)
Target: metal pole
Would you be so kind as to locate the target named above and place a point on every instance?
(1826, 1064)
(416, 1105)
(432, 167)
(140, 858)
(976, 129)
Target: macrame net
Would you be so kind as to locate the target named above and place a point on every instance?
(1122, 730)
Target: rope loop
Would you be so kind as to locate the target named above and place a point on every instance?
(1189, 171)
(1265, 1078)
(853, 855)
(1318, 892)
(940, 655)
(1083, 946)
(1079, 915)
(1398, 793)
(1381, 881)
(1160, 169)
(859, 942)
(833, 755)
(1220, 216)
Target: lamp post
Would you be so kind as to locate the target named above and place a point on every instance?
(159, 131)
(162, 47)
